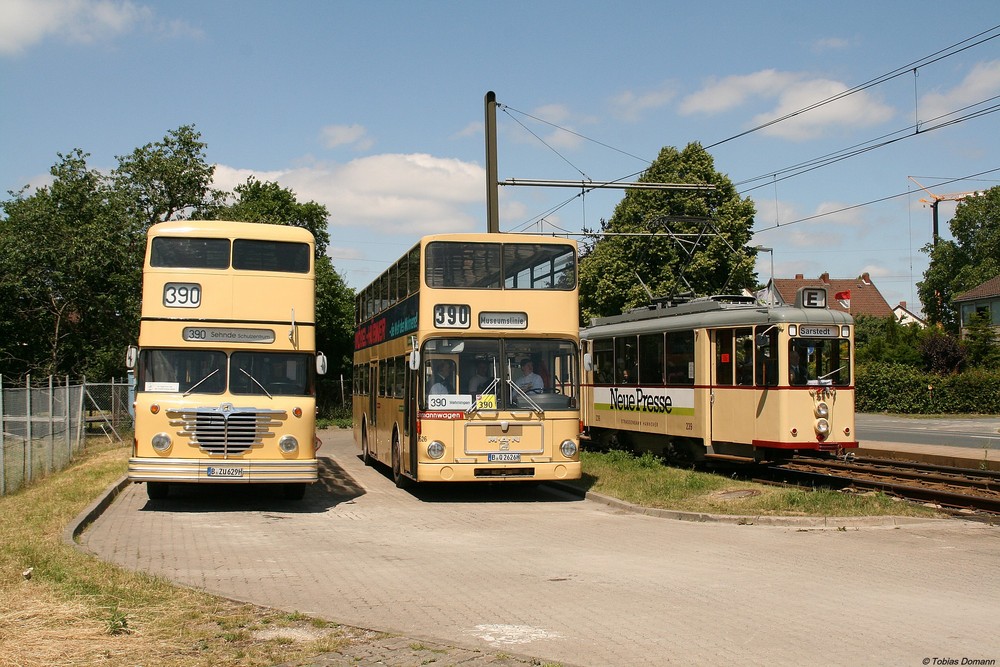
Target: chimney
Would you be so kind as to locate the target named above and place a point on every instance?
(825, 277)
(799, 276)
(902, 304)
(866, 279)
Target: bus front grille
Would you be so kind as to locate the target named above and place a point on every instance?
(226, 430)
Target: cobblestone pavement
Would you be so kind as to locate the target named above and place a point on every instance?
(489, 575)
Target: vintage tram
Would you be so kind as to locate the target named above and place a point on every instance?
(722, 377)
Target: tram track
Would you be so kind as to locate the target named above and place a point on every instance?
(953, 488)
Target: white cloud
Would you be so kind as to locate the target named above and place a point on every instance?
(724, 94)
(830, 44)
(981, 83)
(411, 194)
(792, 92)
(25, 23)
(630, 106)
(333, 136)
(561, 137)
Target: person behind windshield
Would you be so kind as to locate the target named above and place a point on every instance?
(530, 381)
(481, 379)
(442, 378)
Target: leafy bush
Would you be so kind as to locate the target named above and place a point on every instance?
(884, 387)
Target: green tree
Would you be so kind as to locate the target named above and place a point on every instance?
(67, 274)
(981, 344)
(706, 255)
(972, 258)
(883, 339)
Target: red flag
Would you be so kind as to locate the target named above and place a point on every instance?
(843, 296)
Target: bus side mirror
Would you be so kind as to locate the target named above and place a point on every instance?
(321, 364)
(131, 357)
(414, 360)
(588, 362)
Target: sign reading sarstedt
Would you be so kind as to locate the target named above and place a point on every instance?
(227, 335)
(503, 320)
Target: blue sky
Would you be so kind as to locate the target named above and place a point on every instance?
(375, 109)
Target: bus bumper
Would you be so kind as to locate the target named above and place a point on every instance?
(485, 472)
(228, 471)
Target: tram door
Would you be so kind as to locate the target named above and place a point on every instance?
(734, 397)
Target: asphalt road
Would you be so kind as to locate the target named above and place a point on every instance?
(960, 431)
(571, 581)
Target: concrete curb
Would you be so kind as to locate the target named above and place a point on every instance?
(92, 512)
(814, 522)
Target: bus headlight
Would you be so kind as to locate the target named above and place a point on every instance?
(288, 444)
(161, 442)
(822, 427)
(822, 410)
(568, 448)
(435, 449)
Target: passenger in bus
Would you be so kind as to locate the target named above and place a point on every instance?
(481, 379)
(530, 381)
(442, 380)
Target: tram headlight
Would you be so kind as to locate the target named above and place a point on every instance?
(288, 444)
(568, 448)
(435, 449)
(161, 442)
(822, 427)
(822, 410)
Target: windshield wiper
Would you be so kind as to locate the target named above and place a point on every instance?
(254, 380)
(534, 406)
(474, 407)
(196, 384)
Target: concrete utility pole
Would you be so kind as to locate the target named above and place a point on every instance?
(492, 185)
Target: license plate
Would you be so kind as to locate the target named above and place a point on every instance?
(506, 457)
(224, 471)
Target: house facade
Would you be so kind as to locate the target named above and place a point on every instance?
(984, 298)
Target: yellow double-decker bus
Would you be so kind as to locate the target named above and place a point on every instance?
(226, 363)
(466, 361)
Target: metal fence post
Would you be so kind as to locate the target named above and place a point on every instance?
(3, 445)
(66, 411)
(28, 434)
(51, 459)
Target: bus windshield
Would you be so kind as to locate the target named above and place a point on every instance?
(210, 372)
(499, 374)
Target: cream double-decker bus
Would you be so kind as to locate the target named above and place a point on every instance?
(226, 363)
(466, 361)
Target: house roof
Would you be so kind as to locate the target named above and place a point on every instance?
(986, 290)
(865, 297)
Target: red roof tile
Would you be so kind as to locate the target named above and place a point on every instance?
(988, 289)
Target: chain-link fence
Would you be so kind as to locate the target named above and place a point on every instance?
(43, 425)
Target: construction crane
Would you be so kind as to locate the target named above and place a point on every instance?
(937, 199)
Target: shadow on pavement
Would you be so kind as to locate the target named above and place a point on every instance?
(335, 486)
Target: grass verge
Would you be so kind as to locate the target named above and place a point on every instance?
(646, 481)
(59, 605)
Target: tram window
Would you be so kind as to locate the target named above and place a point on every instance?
(604, 361)
(744, 357)
(767, 356)
(814, 361)
(651, 359)
(625, 360)
(680, 357)
(724, 357)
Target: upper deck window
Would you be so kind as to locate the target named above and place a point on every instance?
(494, 266)
(189, 253)
(252, 255)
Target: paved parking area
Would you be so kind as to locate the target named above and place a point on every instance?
(540, 573)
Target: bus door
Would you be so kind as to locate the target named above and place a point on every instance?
(734, 396)
(373, 387)
(408, 457)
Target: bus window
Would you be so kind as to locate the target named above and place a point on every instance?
(276, 374)
(463, 265)
(189, 253)
(196, 371)
(256, 255)
(651, 359)
(604, 361)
